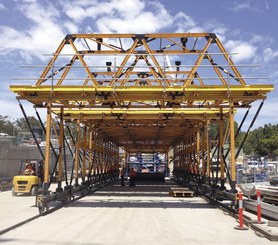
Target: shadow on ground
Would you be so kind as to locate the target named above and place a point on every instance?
(144, 195)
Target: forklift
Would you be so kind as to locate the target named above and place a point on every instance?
(29, 178)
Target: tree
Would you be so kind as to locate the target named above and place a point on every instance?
(263, 141)
(21, 123)
(6, 126)
(214, 129)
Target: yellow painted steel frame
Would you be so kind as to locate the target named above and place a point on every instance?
(124, 91)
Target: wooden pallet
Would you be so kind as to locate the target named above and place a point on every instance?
(181, 192)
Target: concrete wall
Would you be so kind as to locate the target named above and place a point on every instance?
(10, 157)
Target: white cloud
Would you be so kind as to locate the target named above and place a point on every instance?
(49, 26)
(269, 54)
(221, 32)
(134, 16)
(43, 36)
(12, 110)
(78, 11)
(71, 27)
(244, 51)
(241, 6)
(2, 6)
(185, 23)
(145, 22)
(253, 6)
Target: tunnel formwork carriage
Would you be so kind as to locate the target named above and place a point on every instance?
(141, 93)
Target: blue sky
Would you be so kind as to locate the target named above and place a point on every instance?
(31, 28)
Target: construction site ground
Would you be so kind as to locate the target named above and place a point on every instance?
(145, 214)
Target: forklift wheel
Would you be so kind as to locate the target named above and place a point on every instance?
(34, 191)
(13, 192)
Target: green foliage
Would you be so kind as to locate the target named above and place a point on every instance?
(263, 141)
(6, 125)
(10, 127)
(214, 128)
(21, 124)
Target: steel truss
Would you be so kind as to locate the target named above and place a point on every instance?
(121, 90)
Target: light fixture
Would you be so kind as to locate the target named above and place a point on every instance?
(109, 64)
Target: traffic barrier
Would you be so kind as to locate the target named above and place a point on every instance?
(240, 213)
(259, 215)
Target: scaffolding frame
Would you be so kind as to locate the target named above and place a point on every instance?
(140, 102)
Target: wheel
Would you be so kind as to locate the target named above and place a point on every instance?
(13, 192)
(41, 209)
(34, 191)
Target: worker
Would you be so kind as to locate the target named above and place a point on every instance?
(132, 176)
(29, 170)
(122, 175)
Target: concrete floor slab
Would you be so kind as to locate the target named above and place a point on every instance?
(134, 215)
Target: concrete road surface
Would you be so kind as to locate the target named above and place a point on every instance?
(145, 214)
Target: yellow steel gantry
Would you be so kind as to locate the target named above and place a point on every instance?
(143, 93)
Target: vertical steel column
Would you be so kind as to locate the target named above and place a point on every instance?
(124, 159)
(203, 152)
(186, 156)
(208, 150)
(61, 142)
(77, 146)
(100, 148)
(108, 159)
(118, 155)
(47, 149)
(95, 151)
(84, 153)
(194, 146)
(90, 150)
(107, 162)
(101, 155)
(167, 170)
(232, 147)
(182, 157)
(221, 145)
(198, 150)
(190, 154)
(127, 163)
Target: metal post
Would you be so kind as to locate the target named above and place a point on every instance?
(203, 153)
(189, 154)
(90, 151)
(77, 153)
(95, 151)
(221, 145)
(84, 153)
(167, 167)
(232, 147)
(61, 141)
(198, 151)
(47, 149)
(208, 150)
(124, 163)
